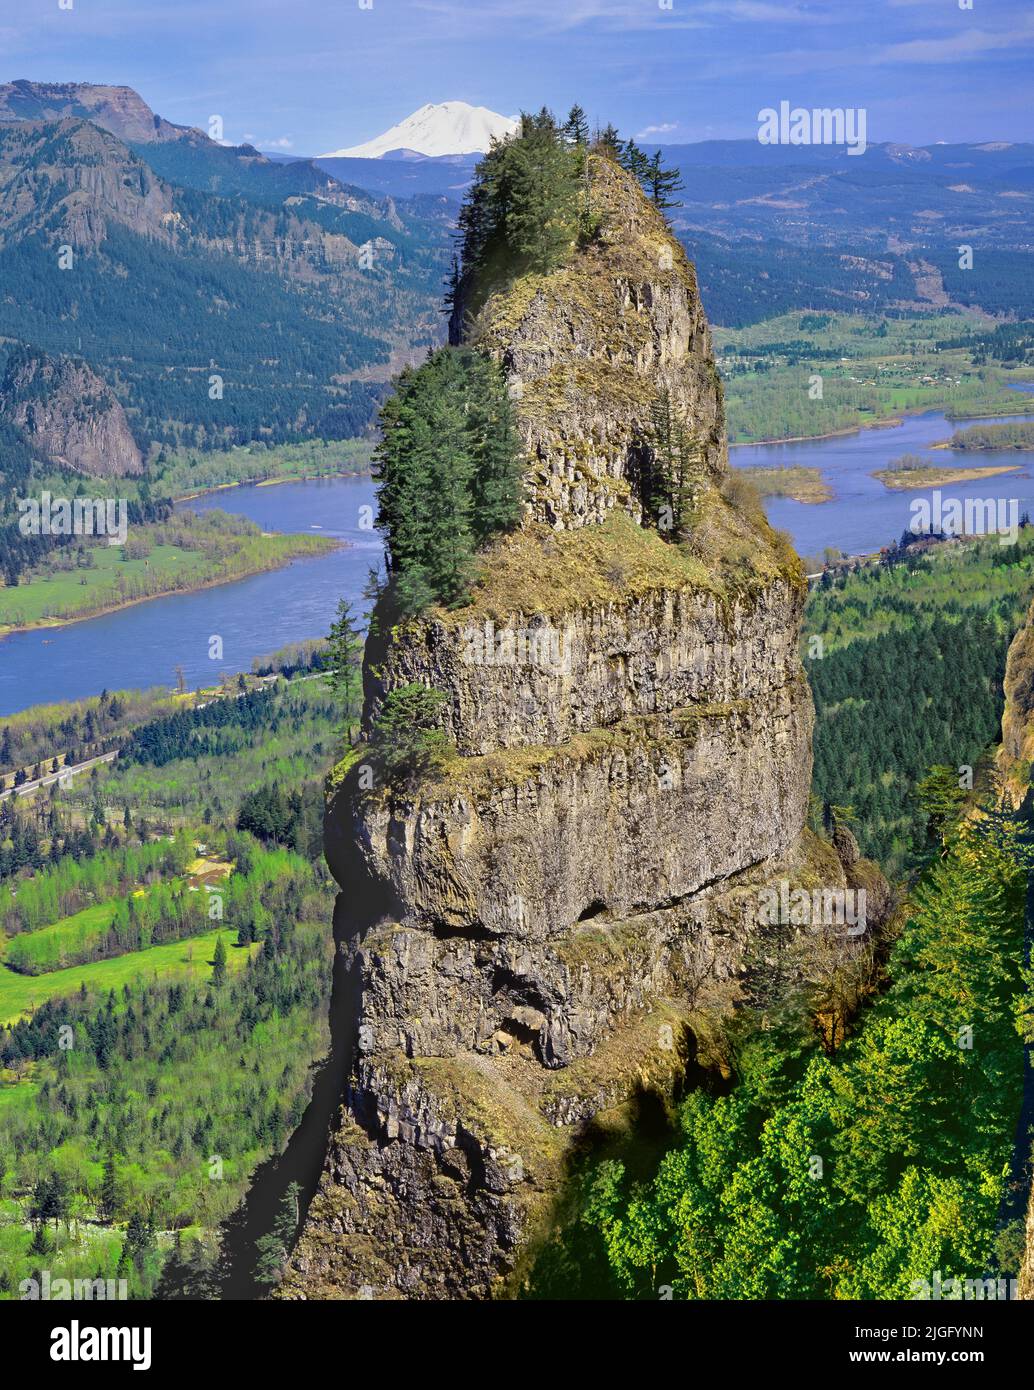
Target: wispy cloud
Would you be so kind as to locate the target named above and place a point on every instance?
(648, 132)
(957, 46)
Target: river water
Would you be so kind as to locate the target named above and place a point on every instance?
(864, 515)
(143, 645)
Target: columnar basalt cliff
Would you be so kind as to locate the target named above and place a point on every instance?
(534, 930)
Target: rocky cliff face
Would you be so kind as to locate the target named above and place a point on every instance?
(117, 109)
(68, 415)
(70, 180)
(1016, 755)
(1016, 765)
(535, 929)
(588, 350)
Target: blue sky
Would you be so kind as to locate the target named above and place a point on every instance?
(311, 75)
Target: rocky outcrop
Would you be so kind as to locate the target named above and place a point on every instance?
(588, 350)
(119, 110)
(544, 675)
(1015, 766)
(536, 929)
(68, 415)
(1016, 754)
(69, 181)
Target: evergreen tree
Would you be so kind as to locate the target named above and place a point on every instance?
(109, 1202)
(344, 648)
(635, 161)
(449, 471)
(540, 216)
(610, 141)
(219, 963)
(671, 470)
(661, 183)
(522, 210)
(576, 127)
(496, 483)
(407, 742)
(273, 1248)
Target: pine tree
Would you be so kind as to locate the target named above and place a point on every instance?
(109, 1188)
(576, 127)
(407, 742)
(635, 161)
(610, 141)
(540, 217)
(273, 1249)
(498, 472)
(344, 648)
(671, 471)
(661, 183)
(449, 474)
(219, 963)
(522, 210)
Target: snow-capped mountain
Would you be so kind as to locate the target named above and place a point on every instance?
(448, 127)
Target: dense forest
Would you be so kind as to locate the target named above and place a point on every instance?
(187, 883)
(999, 281)
(744, 281)
(906, 661)
(272, 350)
(854, 1172)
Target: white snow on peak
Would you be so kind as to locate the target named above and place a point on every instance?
(448, 127)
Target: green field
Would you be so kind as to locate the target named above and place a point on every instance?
(20, 994)
(186, 553)
(870, 370)
(186, 472)
(77, 931)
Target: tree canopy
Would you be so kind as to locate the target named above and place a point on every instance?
(450, 474)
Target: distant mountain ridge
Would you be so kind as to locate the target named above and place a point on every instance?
(224, 297)
(120, 110)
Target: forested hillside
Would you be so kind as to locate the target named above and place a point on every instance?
(169, 915)
(906, 661)
(281, 300)
(854, 1172)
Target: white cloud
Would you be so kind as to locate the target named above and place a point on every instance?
(649, 131)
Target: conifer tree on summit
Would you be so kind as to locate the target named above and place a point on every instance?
(450, 474)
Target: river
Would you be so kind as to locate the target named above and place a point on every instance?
(864, 515)
(143, 645)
